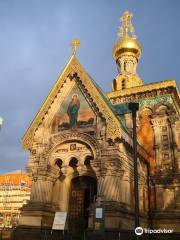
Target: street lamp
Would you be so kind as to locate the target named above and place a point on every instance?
(134, 107)
(1, 122)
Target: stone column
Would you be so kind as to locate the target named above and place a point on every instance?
(125, 188)
(157, 142)
(66, 185)
(41, 190)
(114, 187)
(125, 194)
(39, 212)
(108, 186)
(175, 131)
(109, 179)
(177, 142)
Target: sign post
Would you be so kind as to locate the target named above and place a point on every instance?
(59, 221)
(99, 215)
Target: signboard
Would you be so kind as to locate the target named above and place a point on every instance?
(59, 221)
(99, 213)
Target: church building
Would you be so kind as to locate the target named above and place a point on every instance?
(81, 149)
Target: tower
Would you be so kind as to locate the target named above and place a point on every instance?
(126, 53)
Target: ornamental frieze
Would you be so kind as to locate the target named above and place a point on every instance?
(110, 152)
(145, 100)
(163, 178)
(75, 136)
(112, 168)
(164, 87)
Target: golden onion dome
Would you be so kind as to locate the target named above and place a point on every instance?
(127, 42)
(127, 45)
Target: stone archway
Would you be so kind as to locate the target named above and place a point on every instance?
(72, 159)
(76, 185)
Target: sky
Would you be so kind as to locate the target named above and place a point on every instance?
(35, 45)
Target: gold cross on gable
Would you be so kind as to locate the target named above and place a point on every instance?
(75, 43)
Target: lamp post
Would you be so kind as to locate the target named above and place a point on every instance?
(134, 107)
(1, 122)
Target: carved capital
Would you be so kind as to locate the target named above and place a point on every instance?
(112, 168)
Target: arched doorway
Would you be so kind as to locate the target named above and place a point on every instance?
(83, 189)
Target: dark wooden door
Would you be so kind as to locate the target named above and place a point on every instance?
(83, 189)
(76, 212)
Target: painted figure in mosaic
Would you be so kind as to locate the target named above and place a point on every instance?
(72, 110)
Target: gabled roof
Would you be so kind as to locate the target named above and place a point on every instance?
(103, 95)
(99, 98)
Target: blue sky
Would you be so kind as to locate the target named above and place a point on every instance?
(35, 45)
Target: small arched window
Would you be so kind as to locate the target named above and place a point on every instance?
(123, 83)
(59, 162)
(114, 84)
(87, 160)
(125, 63)
(73, 162)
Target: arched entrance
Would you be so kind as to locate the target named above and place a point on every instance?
(83, 189)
